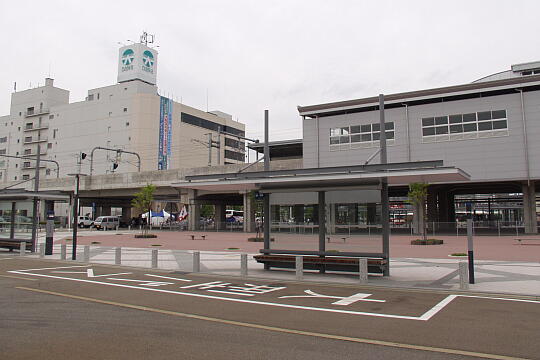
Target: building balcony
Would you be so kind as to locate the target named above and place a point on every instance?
(34, 154)
(37, 127)
(35, 141)
(36, 112)
(32, 166)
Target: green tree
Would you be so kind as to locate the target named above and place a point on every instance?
(417, 196)
(143, 202)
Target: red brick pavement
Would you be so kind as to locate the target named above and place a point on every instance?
(486, 247)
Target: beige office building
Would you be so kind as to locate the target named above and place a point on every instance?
(115, 126)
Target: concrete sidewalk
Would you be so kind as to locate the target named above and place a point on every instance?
(509, 277)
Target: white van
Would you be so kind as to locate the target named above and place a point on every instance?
(106, 222)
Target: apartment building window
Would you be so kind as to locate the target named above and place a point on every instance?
(30, 110)
(3, 151)
(47, 171)
(90, 97)
(51, 117)
(3, 139)
(359, 136)
(1, 175)
(26, 177)
(27, 151)
(29, 126)
(233, 155)
(125, 109)
(54, 133)
(465, 126)
(49, 146)
(28, 139)
(26, 164)
(2, 163)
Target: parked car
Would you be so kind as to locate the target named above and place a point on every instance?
(106, 222)
(84, 221)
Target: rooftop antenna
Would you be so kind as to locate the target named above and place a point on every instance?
(147, 38)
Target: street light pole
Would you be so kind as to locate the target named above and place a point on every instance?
(75, 218)
(75, 214)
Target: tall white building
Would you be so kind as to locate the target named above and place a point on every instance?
(129, 118)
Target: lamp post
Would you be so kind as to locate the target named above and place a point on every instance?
(75, 214)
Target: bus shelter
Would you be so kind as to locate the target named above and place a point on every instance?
(18, 222)
(364, 184)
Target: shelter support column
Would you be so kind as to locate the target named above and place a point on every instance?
(322, 221)
(529, 208)
(249, 212)
(322, 224)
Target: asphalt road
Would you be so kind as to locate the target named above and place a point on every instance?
(53, 310)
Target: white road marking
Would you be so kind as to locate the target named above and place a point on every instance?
(167, 277)
(434, 310)
(345, 300)
(24, 272)
(424, 317)
(144, 282)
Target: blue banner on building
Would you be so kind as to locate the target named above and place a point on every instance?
(165, 132)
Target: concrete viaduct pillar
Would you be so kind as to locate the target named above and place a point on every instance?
(529, 208)
(249, 212)
(194, 210)
(220, 216)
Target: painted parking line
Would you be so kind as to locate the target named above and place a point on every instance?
(246, 290)
(282, 330)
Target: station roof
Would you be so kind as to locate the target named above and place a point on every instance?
(448, 93)
(281, 149)
(329, 178)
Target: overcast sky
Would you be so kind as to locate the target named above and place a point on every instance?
(255, 55)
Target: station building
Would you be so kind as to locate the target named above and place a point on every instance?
(487, 129)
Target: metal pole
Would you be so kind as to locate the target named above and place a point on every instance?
(35, 215)
(219, 145)
(12, 220)
(385, 205)
(209, 149)
(75, 216)
(266, 146)
(471, 251)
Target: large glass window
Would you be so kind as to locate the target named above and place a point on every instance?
(360, 134)
(456, 124)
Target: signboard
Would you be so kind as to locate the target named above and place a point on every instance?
(137, 61)
(165, 132)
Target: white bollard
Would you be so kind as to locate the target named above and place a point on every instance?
(41, 250)
(22, 249)
(118, 256)
(363, 270)
(463, 275)
(63, 252)
(154, 258)
(196, 261)
(86, 253)
(243, 265)
(299, 267)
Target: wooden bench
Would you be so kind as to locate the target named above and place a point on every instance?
(203, 237)
(15, 243)
(333, 262)
(521, 240)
